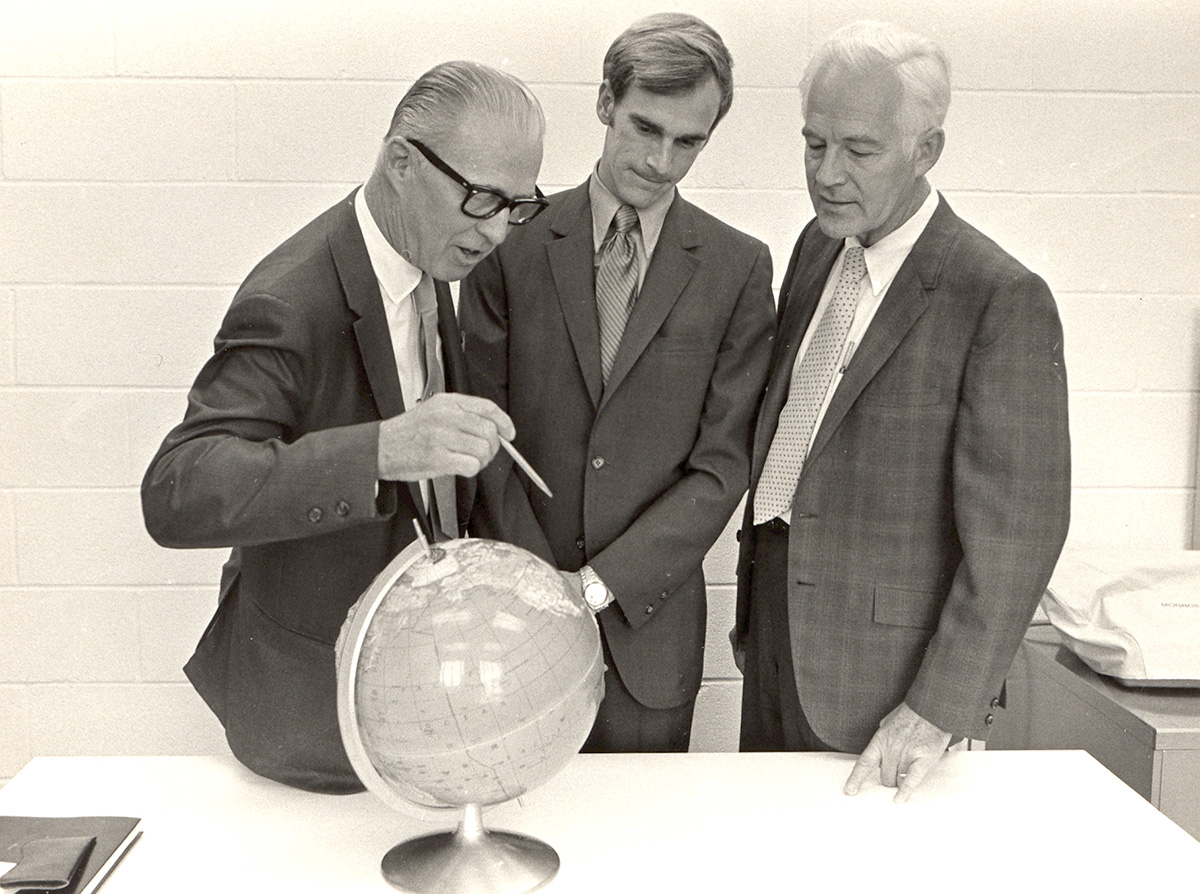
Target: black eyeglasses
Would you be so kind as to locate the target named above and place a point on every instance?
(481, 202)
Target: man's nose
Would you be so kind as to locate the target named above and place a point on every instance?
(495, 228)
(658, 159)
(830, 170)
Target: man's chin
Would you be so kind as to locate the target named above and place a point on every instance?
(457, 268)
(642, 193)
(836, 225)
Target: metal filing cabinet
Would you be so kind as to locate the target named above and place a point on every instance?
(1148, 737)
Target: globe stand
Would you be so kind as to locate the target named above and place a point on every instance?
(470, 860)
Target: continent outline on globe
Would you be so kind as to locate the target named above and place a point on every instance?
(468, 673)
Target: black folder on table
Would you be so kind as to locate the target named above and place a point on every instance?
(60, 845)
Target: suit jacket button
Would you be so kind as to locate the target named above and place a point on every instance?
(315, 514)
(598, 462)
(990, 719)
(649, 609)
(579, 544)
(995, 702)
(342, 508)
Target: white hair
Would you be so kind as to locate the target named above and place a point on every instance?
(866, 48)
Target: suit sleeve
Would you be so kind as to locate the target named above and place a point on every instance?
(667, 542)
(248, 465)
(502, 510)
(1011, 497)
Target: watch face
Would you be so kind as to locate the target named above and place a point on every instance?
(594, 595)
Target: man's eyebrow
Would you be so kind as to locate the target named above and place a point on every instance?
(645, 122)
(857, 139)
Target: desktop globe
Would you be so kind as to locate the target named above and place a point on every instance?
(468, 673)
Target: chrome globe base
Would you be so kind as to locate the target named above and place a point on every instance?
(470, 860)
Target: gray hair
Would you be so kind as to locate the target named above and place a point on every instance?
(865, 48)
(670, 53)
(438, 101)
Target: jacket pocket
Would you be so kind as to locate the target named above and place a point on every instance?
(906, 608)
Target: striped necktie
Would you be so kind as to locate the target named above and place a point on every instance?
(616, 284)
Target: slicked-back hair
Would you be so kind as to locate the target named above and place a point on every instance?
(866, 48)
(670, 52)
(438, 100)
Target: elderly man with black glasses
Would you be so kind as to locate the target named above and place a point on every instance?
(326, 422)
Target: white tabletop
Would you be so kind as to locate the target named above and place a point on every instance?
(983, 821)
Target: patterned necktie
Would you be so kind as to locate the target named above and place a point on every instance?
(806, 394)
(616, 284)
(443, 506)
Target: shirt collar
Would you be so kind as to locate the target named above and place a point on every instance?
(397, 276)
(605, 205)
(883, 259)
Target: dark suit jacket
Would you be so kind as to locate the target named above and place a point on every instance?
(933, 505)
(646, 471)
(276, 457)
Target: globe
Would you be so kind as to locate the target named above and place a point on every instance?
(468, 674)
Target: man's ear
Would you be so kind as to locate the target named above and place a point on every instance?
(397, 157)
(929, 149)
(606, 103)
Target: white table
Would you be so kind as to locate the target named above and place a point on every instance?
(983, 821)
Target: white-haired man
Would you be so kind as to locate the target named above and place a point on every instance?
(323, 426)
(911, 477)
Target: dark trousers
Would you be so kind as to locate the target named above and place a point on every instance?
(625, 724)
(772, 718)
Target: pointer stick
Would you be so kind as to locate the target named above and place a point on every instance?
(524, 464)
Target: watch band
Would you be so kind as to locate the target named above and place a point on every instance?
(591, 583)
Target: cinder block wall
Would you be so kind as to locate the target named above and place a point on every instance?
(150, 153)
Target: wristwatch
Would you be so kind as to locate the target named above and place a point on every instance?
(595, 593)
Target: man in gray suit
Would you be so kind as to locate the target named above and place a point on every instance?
(911, 469)
(637, 408)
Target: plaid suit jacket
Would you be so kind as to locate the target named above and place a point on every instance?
(935, 500)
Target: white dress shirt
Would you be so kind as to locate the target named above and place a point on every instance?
(645, 235)
(883, 260)
(397, 279)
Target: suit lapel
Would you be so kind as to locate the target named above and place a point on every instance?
(905, 301)
(572, 262)
(670, 269)
(903, 304)
(371, 328)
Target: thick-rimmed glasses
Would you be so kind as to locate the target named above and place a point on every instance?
(481, 202)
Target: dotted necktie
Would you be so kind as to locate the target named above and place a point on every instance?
(806, 394)
(616, 284)
(443, 509)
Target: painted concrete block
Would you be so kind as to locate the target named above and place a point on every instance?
(97, 537)
(76, 635)
(122, 719)
(121, 336)
(1134, 440)
(15, 745)
(305, 132)
(42, 39)
(118, 130)
(717, 720)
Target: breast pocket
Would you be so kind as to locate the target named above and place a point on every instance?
(679, 345)
(890, 395)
